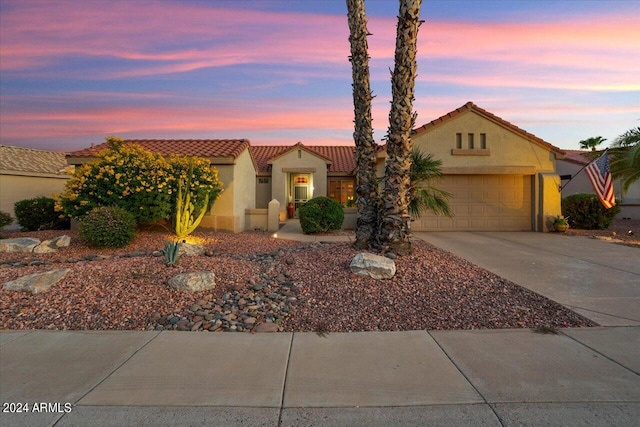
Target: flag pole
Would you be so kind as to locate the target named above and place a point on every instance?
(582, 168)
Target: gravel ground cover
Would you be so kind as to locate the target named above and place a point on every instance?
(265, 283)
(622, 231)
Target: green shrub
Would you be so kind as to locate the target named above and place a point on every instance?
(39, 214)
(108, 227)
(5, 219)
(585, 211)
(321, 214)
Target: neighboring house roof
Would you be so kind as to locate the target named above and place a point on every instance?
(579, 157)
(27, 161)
(187, 147)
(470, 106)
(341, 158)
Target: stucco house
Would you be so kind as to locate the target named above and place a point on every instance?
(501, 177)
(572, 165)
(26, 173)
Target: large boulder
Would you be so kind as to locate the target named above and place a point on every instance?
(194, 282)
(189, 249)
(36, 283)
(52, 245)
(20, 244)
(375, 266)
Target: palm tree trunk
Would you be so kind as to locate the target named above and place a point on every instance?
(395, 226)
(366, 186)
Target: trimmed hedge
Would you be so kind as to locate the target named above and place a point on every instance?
(321, 214)
(108, 227)
(585, 211)
(39, 214)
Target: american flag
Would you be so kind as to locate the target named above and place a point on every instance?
(600, 177)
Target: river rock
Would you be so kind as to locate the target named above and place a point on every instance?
(375, 266)
(20, 244)
(36, 283)
(194, 282)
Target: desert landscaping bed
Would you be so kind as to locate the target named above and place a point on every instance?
(262, 281)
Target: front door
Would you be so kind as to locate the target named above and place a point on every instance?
(300, 191)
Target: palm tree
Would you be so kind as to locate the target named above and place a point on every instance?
(395, 225)
(591, 143)
(625, 164)
(424, 168)
(366, 187)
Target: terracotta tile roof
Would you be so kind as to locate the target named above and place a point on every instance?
(470, 106)
(21, 159)
(187, 147)
(340, 158)
(580, 157)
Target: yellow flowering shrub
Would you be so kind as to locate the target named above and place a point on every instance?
(139, 181)
(123, 175)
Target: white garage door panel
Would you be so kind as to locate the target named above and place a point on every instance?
(483, 202)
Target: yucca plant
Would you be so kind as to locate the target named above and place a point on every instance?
(171, 252)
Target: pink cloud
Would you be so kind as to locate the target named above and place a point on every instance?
(158, 120)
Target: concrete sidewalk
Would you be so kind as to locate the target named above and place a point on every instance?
(476, 378)
(597, 279)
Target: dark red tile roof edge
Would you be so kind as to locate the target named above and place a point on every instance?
(470, 106)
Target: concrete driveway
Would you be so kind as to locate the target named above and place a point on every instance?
(597, 279)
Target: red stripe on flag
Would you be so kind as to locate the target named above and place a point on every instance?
(601, 180)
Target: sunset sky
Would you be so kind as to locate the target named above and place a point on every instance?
(277, 72)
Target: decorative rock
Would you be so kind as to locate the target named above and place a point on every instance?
(20, 244)
(135, 254)
(266, 327)
(193, 282)
(96, 257)
(375, 266)
(36, 283)
(52, 245)
(188, 249)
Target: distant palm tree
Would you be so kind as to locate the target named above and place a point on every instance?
(425, 198)
(625, 164)
(365, 156)
(395, 225)
(591, 143)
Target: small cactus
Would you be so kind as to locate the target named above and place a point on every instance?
(171, 252)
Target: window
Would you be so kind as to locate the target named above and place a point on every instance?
(471, 145)
(458, 140)
(483, 141)
(342, 190)
(300, 180)
(263, 180)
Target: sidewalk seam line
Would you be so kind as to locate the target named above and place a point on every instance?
(17, 338)
(466, 378)
(599, 312)
(284, 383)
(116, 368)
(600, 353)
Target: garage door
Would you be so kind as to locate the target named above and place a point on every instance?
(483, 203)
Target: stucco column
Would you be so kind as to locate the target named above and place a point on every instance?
(549, 200)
